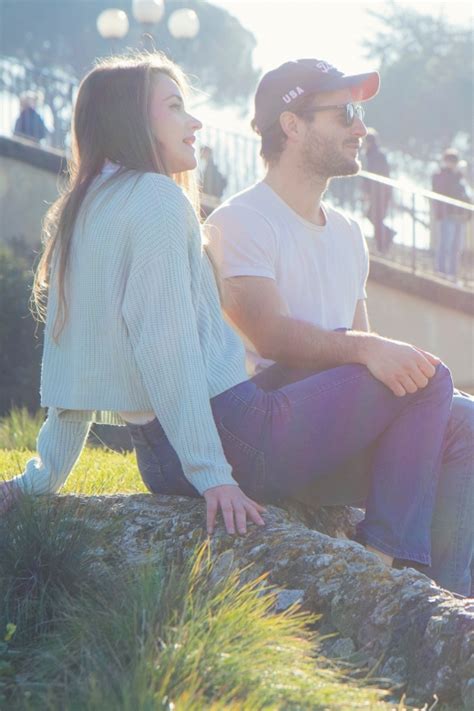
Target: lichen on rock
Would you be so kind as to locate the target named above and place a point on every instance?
(417, 635)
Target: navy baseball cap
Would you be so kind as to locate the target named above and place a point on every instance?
(279, 88)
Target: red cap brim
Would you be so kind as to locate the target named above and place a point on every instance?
(364, 86)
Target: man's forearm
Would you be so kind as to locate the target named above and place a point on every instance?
(300, 344)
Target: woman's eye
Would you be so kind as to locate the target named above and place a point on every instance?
(176, 106)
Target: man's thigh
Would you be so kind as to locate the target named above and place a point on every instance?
(348, 485)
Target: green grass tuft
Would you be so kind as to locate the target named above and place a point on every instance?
(166, 636)
(169, 637)
(98, 472)
(19, 429)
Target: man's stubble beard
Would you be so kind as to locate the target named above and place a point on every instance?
(322, 157)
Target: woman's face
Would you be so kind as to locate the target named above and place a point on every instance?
(172, 126)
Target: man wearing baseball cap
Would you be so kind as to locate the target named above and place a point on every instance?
(294, 272)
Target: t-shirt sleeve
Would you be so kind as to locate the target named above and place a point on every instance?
(242, 242)
(363, 261)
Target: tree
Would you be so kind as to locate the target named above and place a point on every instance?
(62, 34)
(426, 91)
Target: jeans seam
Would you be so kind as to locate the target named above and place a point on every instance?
(461, 510)
(248, 450)
(241, 401)
(321, 391)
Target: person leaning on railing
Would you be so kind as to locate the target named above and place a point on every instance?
(451, 220)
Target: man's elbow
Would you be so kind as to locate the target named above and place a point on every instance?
(268, 344)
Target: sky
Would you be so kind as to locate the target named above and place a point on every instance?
(330, 30)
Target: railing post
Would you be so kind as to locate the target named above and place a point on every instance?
(413, 246)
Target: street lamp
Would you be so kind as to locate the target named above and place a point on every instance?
(148, 13)
(112, 24)
(183, 24)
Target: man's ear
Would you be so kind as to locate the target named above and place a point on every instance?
(291, 125)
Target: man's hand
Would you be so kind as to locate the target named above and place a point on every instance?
(235, 507)
(401, 367)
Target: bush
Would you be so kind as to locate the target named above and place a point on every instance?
(20, 336)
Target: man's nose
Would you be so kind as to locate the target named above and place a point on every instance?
(359, 128)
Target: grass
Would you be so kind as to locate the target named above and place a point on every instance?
(165, 636)
(77, 637)
(19, 429)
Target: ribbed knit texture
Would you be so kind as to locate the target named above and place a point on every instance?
(144, 332)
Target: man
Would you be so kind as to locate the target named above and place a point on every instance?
(212, 181)
(450, 219)
(378, 195)
(294, 273)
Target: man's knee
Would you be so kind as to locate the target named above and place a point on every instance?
(442, 380)
(461, 420)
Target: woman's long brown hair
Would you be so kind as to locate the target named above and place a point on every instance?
(110, 122)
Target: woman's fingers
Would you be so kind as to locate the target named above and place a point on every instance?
(254, 511)
(235, 506)
(241, 519)
(228, 516)
(255, 504)
(211, 511)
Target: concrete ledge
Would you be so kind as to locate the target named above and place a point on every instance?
(42, 157)
(421, 285)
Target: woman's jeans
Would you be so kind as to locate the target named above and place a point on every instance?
(293, 435)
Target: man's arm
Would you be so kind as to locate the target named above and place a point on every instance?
(255, 306)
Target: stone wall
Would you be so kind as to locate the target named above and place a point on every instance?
(29, 182)
(425, 311)
(410, 307)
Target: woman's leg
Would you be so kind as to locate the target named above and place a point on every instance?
(158, 462)
(311, 427)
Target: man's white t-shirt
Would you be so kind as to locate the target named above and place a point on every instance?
(320, 271)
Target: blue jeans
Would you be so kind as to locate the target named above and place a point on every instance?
(448, 255)
(452, 528)
(281, 441)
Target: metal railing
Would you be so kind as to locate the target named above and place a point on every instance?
(412, 220)
(398, 219)
(54, 94)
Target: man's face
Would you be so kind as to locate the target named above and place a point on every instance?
(329, 147)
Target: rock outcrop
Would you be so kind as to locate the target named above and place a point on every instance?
(396, 622)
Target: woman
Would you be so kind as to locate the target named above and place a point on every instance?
(134, 334)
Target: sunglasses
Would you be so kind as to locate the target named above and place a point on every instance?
(351, 111)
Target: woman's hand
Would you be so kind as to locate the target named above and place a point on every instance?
(9, 493)
(235, 507)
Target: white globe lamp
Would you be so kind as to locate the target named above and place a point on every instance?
(148, 12)
(112, 24)
(183, 24)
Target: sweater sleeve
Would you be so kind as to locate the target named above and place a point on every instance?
(162, 323)
(59, 446)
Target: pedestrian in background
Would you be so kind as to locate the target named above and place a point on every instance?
(450, 220)
(378, 195)
(29, 123)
